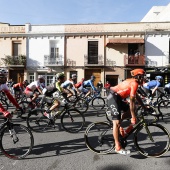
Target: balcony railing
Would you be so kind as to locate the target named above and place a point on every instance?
(53, 60)
(133, 60)
(93, 60)
(14, 61)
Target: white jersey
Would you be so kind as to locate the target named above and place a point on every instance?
(34, 85)
(67, 83)
(4, 87)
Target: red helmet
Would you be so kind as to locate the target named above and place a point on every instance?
(136, 72)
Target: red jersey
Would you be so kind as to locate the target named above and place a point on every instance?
(18, 85)
(126, 88)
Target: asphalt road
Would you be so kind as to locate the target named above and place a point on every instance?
(59, 150)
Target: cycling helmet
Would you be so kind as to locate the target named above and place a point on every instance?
(158, 77)
(41, 77)
(136, 72)
(3, 72)
(73, 76)
(60, 75)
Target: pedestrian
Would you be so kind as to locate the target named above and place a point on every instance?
(107, 87)
(100, 86)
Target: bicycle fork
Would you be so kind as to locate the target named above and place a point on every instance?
(12, 133)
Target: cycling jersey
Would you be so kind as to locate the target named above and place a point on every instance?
(126, 88)
(34, 85)
(5, 89)
(67, 83)
(167, 85)
(89, 83)
(152, 84)
(18, 86)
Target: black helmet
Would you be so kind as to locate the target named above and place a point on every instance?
(60, 75)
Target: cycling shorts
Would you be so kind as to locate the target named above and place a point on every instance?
(116, 105)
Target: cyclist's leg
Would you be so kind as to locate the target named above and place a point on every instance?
(114, 102)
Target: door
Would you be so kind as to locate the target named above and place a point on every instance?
(113, 79)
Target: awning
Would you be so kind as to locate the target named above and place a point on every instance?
(126, 40)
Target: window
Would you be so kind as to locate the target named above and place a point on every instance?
(92, 52)
(16, 48)
(54, 52)
(31, 78)
(50, 79)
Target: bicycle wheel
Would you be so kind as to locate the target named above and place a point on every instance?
(72, 120)
(98, 103)
(99, 137)
(82, 105)
(37, 122)
(26, 107)
(17, 144)
(152, 140)
(162, 97)
(164, 107)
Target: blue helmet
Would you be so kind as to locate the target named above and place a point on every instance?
(159, 78)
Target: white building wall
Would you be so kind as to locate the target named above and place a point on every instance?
(157, 49)
(38, 47)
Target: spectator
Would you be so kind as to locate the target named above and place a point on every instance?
(107, 87)
(100, 86)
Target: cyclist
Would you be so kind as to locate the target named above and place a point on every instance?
(69, 84)
(127, 88)
(152, 86)
(51, 89)
(89, 83)
(19, 88)
(5, 89)
(78, 85)
(167, 88)
(34, 88)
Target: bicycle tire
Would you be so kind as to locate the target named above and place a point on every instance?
(72, 120)
(4, 104)
(156, 148)
(21, 147)
(26, 108)
(37, 122)
(82, 105)
(160, 98)
(164, 107)
(98, 103)
(99, 137)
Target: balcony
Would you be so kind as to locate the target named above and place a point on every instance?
(133, 60)
(93, 60)
(50, 60)
(14, 61)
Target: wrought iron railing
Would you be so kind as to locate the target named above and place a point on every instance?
(50, 60)
(93, 60)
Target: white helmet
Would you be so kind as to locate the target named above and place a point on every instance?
(41, 77)
(3, 72)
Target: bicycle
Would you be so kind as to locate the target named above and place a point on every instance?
(97, 102)
(72, 120)
(151, 139)
(16, 140)
(164, 108)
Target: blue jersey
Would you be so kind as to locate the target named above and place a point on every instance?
(89, 83)
(152, 84)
